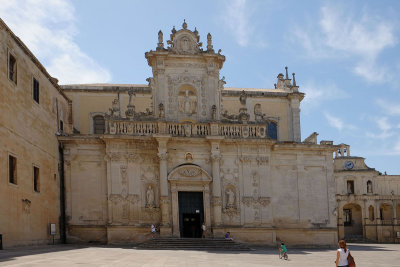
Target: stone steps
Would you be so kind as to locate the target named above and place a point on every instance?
(358, 239)
(193, 244)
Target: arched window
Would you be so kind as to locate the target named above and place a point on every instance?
(98, 124)
(272, 130)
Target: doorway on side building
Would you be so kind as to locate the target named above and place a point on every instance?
(191, 214)
(352, 220)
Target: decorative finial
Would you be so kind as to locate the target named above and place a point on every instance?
(275, 85)
(184, 25)
(287, 75)
(195, 31)
(173, 30)
(294, 80)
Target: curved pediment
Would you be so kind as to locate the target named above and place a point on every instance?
(184, 41)
(189, 173)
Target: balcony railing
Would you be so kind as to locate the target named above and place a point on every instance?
(148, 128)
(386, 222)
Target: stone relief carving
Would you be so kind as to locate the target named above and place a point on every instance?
(187, 102)
(150, 197)
(131, 157)
(189, 157)
(189, 171)
(230, 202)
(113, 156)
(26, 205)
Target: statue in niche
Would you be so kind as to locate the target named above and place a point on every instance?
(369, 187)
(161, 108)
(257, 112)
(230, 202)
(214, 112)
(150, 197)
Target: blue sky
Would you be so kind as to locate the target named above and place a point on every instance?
(346, 54)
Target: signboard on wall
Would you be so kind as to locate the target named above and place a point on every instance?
(53, 230)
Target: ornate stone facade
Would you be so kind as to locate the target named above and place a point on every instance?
(178, 152)
(253, 174)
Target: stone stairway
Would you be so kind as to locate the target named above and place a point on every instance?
(358, 239)
(193, 244)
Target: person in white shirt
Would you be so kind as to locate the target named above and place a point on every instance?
(342, 254)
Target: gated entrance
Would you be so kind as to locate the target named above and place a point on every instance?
(191, 214)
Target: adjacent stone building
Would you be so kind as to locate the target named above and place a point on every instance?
(368, 202)
(109, 160)
(33, 110)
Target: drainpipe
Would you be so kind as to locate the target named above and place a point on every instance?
(62, 195)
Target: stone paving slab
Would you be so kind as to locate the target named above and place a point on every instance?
(366, 255)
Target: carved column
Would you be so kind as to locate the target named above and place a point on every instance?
(216, 184)
(164, 192)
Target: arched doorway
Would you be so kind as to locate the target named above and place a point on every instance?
(190, 200)
(352, 220)
(385, 211)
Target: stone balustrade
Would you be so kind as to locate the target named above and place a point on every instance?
(149, 128)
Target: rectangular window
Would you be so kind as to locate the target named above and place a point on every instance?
(12, 169)
(36, 179)
(61, 126)
(12, 68)
(36, 90)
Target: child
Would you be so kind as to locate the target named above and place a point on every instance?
(283, 251)
(228, 236)
(153, 231)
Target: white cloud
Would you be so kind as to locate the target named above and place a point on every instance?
(316, 94)
(236, 19)
(388, 107)
(48, 30)
(338, 123)
(340, 34)
(335, 122)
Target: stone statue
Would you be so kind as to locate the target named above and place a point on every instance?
(214, 112)
(369, 187)
(160, 44)
(243, 98)
(150, 196)
(160, 37)
(231, 198)
(221, 83)
(209, 42)
(257, 112)
(161, 108)
(349, 189)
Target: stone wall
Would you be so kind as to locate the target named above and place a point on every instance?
(28, 133)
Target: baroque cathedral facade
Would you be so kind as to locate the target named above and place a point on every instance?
(185, 150)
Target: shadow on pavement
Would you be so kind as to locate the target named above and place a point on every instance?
(11, 253)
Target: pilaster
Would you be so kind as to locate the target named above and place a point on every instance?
(164, 192)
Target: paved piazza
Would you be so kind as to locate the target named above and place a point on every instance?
(72, 255)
